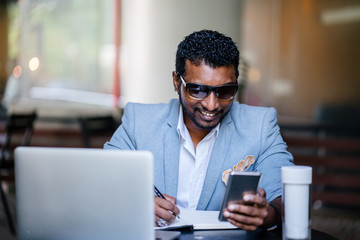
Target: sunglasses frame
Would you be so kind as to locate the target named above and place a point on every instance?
(210, 89)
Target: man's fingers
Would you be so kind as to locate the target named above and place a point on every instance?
(259, 199)
(250, 213)
(165, 209)
(164, 214)
(167, 204)
(262, 192)
(247, 210)
(242, 221)
(243, 226)
(169, 198)
(164, 203)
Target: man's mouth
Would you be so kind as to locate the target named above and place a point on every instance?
(208, 114)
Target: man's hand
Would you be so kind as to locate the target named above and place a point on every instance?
(250, 213)
(165, 209)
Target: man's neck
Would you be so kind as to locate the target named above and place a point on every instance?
(196, 133)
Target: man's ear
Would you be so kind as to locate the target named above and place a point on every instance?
(175, 82)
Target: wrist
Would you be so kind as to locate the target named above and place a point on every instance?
(277, 223)
(273, 219)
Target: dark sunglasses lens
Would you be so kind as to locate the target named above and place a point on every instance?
(227, 92)
(197, 91)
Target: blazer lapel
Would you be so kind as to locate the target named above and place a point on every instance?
(217, 159)
(171, 162)
(171, 153)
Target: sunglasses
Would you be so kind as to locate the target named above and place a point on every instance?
(200, 92)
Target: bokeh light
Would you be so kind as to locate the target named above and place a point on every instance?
(34, 64)
(254, 75)
(17, 71)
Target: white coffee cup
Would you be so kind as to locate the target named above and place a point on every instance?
(296, 200)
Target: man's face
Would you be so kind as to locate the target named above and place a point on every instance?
(208, 112)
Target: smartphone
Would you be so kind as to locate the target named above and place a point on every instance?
(238, 184)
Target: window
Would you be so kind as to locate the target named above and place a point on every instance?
(67, 50)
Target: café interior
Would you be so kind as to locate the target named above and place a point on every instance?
(68, 68)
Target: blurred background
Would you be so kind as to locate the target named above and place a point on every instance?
(71, 62)
(298, 56)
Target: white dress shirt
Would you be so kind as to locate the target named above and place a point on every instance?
(192, 164)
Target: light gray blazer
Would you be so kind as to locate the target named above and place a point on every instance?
(245, 130)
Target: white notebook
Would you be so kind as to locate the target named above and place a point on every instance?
(199, 220)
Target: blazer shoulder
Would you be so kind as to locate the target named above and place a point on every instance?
(152, 112)
(251, 111)
(252, 117)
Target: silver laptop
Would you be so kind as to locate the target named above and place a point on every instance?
(69, 193)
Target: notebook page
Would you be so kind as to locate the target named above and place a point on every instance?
(202, 220)
(198, 220)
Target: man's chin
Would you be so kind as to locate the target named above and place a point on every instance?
(206, 125)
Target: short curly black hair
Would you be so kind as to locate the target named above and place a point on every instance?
(212, 47)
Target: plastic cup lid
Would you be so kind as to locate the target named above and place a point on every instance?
(296, 174)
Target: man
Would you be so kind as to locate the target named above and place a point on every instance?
(197, 139)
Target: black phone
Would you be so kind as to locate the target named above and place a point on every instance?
(238, 184)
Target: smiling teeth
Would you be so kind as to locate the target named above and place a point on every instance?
(208, 114)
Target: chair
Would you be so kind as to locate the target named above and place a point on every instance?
(16, 125)
(97, 129)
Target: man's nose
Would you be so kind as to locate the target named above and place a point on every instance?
(211, 102)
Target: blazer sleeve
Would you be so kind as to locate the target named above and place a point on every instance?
(123, 138)
(272, 156)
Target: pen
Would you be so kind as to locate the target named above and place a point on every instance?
(159, 194)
